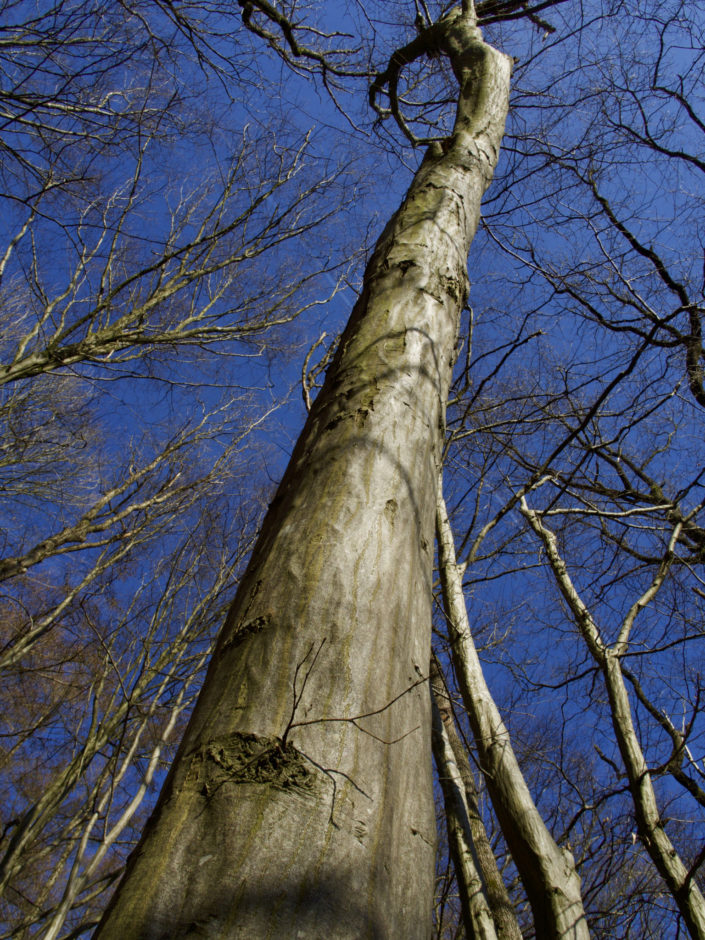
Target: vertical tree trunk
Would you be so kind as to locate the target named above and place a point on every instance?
(464, 806)
(680, 881)
(477, 917)
(547, 871)
(669, 864)
(286, 813)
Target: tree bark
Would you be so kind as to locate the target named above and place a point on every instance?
(462, 803)
(285, 812)
(477, 917)
(547, 872)
(680, 881)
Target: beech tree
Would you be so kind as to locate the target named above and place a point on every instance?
(189, 191)
(594, 391)
(296, 775)
(125, 517)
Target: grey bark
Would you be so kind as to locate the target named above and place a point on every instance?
(547, 871)
(285, 812)
(680, 881)
(477, 917)
(461, 804)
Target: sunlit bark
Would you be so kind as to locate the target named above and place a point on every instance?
(300, 802)
(681, 883)
(547, 871)
(463, 813)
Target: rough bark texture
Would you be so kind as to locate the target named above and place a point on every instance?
(281, 815)
(547, 872)
(501, 908)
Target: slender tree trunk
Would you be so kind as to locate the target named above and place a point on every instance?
(477, 917)
(547, 871)
(680, 881)
(462, 804)
(285, 813)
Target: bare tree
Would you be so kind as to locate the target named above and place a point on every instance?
(93, 687)
(608, 656)
(327, 832)
(168, 215)
(603, 265)
(547, 871)
(126, 442)
(479, 880)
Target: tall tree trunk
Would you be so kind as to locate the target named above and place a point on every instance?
(286, 813)
(547, 872)
(460, 798)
